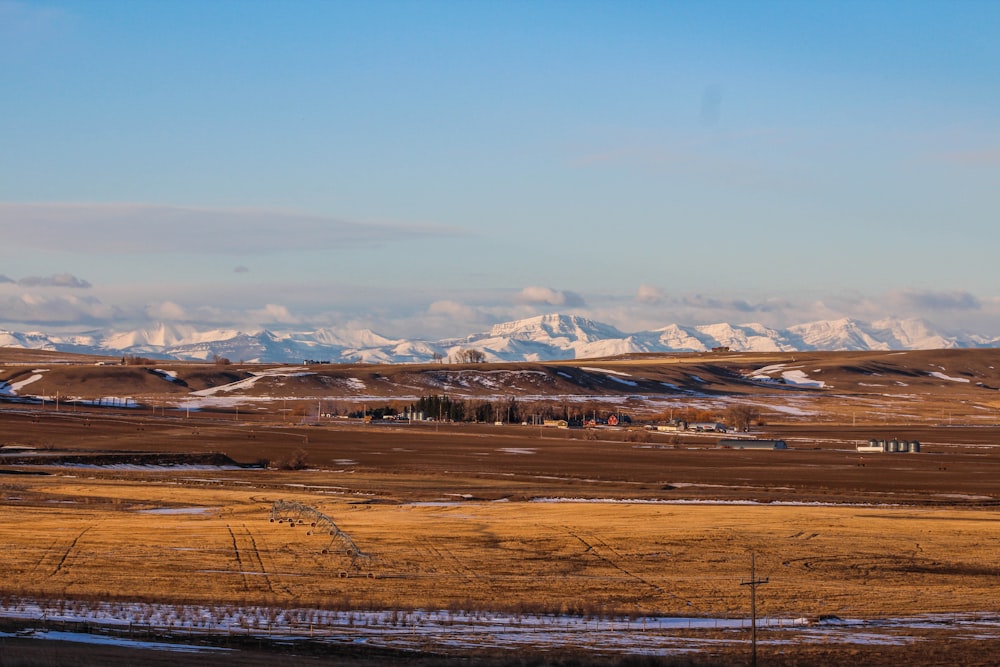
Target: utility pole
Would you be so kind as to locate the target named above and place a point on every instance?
(753, 584)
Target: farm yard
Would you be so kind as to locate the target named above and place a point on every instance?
(165, 525)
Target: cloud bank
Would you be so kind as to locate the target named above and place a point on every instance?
(119, 228)
(57, 280)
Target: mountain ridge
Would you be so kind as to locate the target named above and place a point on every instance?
(547, 337)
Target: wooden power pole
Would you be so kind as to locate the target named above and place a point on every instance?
(753, 584)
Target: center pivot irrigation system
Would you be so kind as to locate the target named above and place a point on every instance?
(297, 514)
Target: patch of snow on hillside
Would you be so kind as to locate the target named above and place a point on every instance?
(603, 370)
(764, 374)
(286, 371)
(232, 386)
(800, 379)
(169, 376)
(17, 386)
(792, 410)
(355, 384)
(630, 383)
(942, 376)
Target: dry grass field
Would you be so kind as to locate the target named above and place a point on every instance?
(126, 506)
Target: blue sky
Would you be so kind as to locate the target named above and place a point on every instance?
(430, 168)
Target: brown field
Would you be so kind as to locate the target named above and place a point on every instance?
(521, 519)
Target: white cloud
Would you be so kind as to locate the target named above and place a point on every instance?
(649, 294)
(119, 228)
(399, 313)
(57, 280)
(167, 311)
(25, 21)
(274, 313)
(934, 301)
(549, 296)
(453, 309)
(59, 310)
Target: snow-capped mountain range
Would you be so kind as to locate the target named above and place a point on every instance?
(542, 338)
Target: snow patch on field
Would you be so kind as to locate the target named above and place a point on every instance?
(355, 384)
(460, 630)
(11, 388)
(941, 376)
(800, 379)
(84, 638)
(286, 371)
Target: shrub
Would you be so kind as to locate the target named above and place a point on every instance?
(294, 461)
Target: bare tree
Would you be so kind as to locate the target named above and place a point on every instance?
(742, 416)
(470, 356)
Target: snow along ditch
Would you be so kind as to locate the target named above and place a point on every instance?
(455, 630)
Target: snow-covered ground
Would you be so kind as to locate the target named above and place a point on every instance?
(794, 377)
(941, 376)
(107, 640)
(11, 389)
(456, 630)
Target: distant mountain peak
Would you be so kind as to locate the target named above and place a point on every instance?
(541, 338)
(550, 323)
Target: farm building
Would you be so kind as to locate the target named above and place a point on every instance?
(889, 446)
(737, 443)
(715, 427)
(555, 423)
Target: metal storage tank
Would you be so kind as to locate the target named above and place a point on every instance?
(914, 446)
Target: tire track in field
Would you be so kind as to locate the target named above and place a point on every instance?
(458, 567)
(69, 550)
(254, 553)
(49, 550)
(593, 549)
(239, 559)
